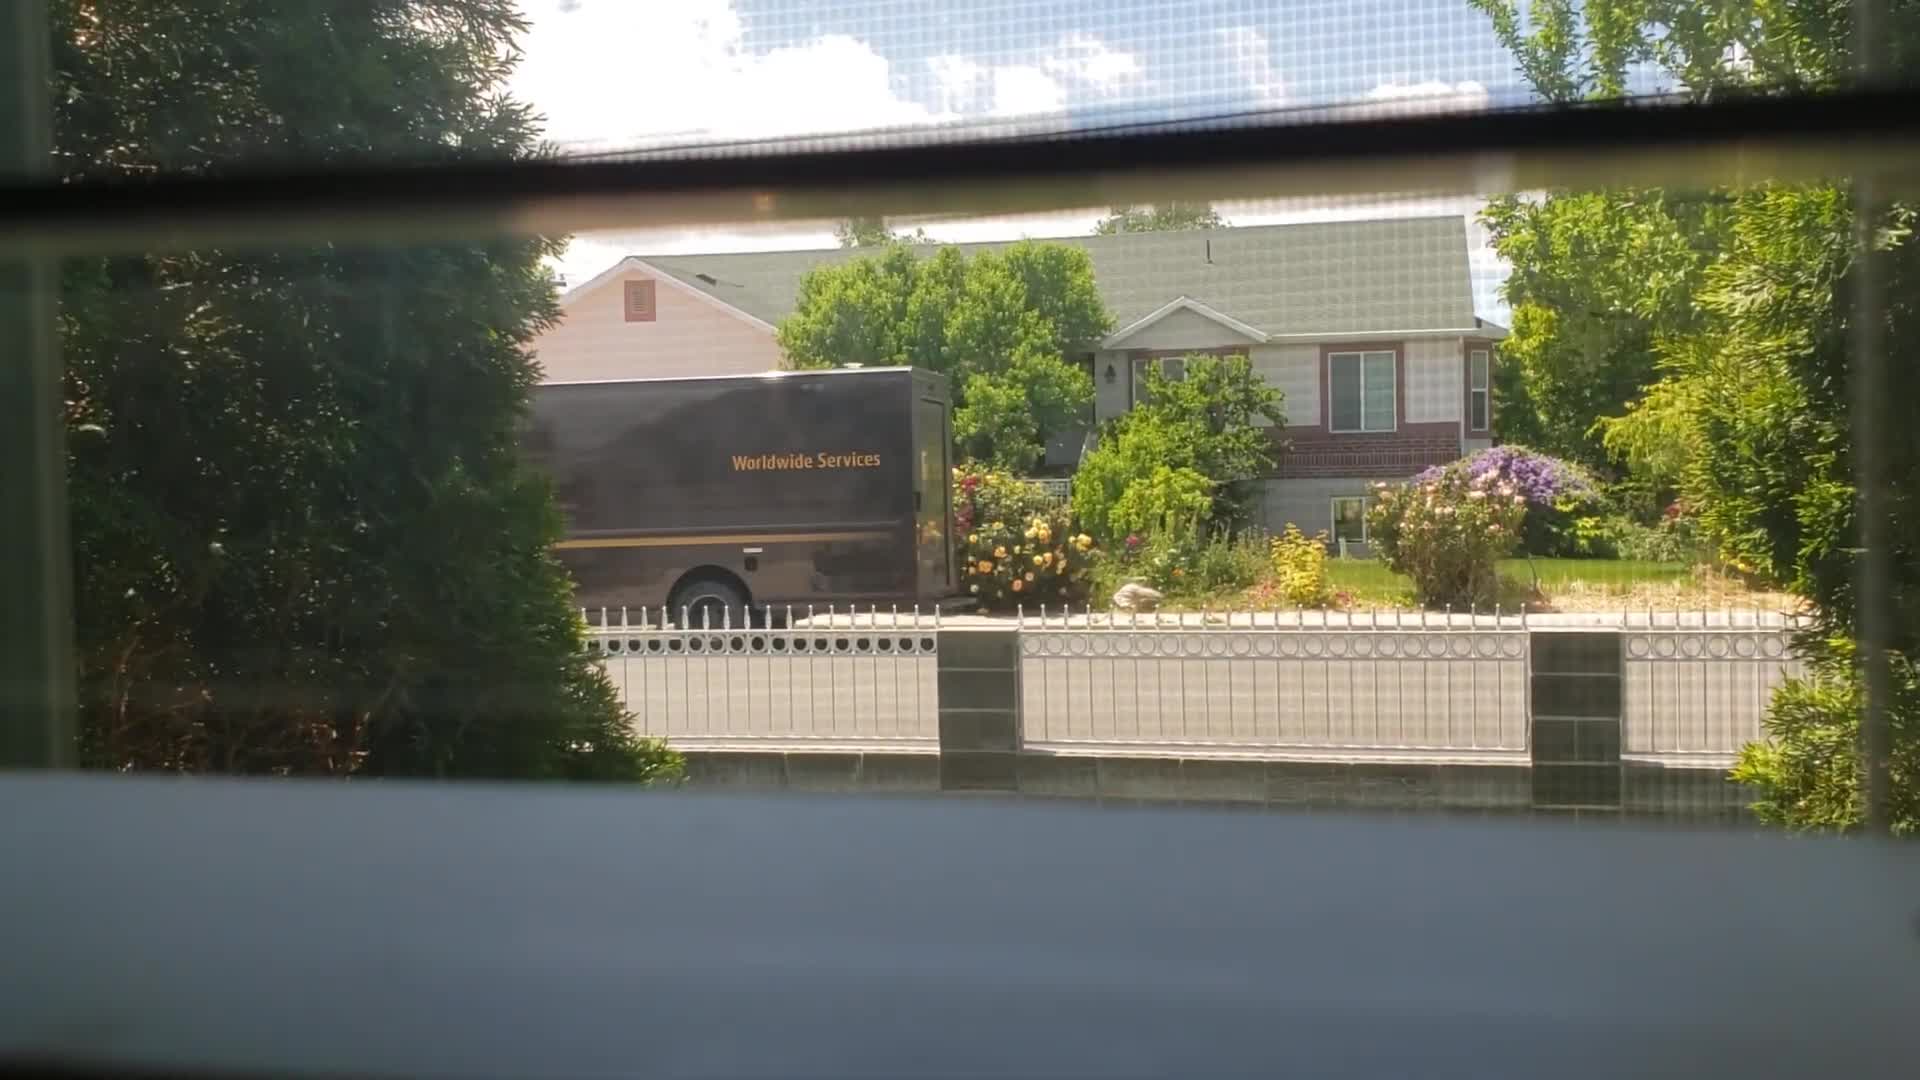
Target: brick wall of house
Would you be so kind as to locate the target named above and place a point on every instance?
(1387, 455)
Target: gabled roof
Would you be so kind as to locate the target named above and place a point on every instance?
(636, 263)
(1253, 334)
(1335, 277)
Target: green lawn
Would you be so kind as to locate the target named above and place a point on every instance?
(1370, 582)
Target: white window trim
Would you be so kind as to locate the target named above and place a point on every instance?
(1333, 517)
(1362, 354)
(1484, 356)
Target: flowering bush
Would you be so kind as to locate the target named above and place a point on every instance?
(1565, 516)
(1446, 530)
(983, 495)
(1300, 568)
(1017, 545)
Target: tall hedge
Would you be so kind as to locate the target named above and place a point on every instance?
(304, 542)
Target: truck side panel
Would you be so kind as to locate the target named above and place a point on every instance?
(801, 486)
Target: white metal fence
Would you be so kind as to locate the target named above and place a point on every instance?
(1695, 692)
(1319, 687)
(1398, 685)
(1059, 490)
(865, 687)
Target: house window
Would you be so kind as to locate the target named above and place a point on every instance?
(1350, 518)
(1173, 368)
(640, 301)
(1479, 400)
(1361, 391)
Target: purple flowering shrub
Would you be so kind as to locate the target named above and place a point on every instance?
(1565, 515)
(1447, 530)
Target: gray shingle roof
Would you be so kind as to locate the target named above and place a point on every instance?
(1321, 278)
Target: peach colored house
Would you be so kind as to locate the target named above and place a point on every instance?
(634, 321)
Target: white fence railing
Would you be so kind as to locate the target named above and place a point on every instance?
(1269, 686)
(1694, 695)
(1059, 490)
(1349, 686)
(871, 687)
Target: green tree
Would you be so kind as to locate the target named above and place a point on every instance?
(1000, 325)
(1598, 279)
(1162, 217)
(304, 541)
(1750, 416)
(1206, 423)
(874, 232)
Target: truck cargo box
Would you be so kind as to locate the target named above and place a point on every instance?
(726, 494)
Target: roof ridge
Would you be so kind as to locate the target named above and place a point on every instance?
(1071, 237)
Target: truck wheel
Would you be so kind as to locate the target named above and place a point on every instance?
(709, 603)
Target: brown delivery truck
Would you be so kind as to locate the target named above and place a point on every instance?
(745, 494)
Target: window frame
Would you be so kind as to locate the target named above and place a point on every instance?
(1137, 365)
(1360, 356)
(644, 290)
(1482, 393)
(1333, 507)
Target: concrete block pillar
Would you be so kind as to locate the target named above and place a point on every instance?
(1576, 680)
(979, 680)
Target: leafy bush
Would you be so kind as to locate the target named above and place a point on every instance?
(1446, 531)
(1226, 564)
(1166, 500)
(1019, 548)
(1675, 539)
(1565, 512)
(1300, 568)
(1206, 423)
(1808, 769)
(1184, 564)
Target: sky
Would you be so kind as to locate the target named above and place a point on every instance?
(616, 74)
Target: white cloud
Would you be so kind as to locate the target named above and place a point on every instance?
(613, 73)
(1248, 62)
(618, 74)
(1432, 95)
(1023, 90)
(1085, 59)
(965, 87)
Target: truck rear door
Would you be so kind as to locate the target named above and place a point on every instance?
(933, 496)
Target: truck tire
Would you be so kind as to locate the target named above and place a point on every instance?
(709, 603)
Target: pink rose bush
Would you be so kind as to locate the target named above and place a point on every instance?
(1447, 531)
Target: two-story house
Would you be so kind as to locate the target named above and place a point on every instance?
(1366, 327)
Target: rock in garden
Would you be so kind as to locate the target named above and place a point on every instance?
(1134, 596)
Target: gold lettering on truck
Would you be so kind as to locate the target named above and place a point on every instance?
(851, 459)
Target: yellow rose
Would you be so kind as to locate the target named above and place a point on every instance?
(1000, 553)
(1041, 560)
(1085, 541)
(973, 538)
(996, 526)
(1018, 584)
(1177, 572)
(985, 567)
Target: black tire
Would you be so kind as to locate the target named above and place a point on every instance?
(706, 603)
